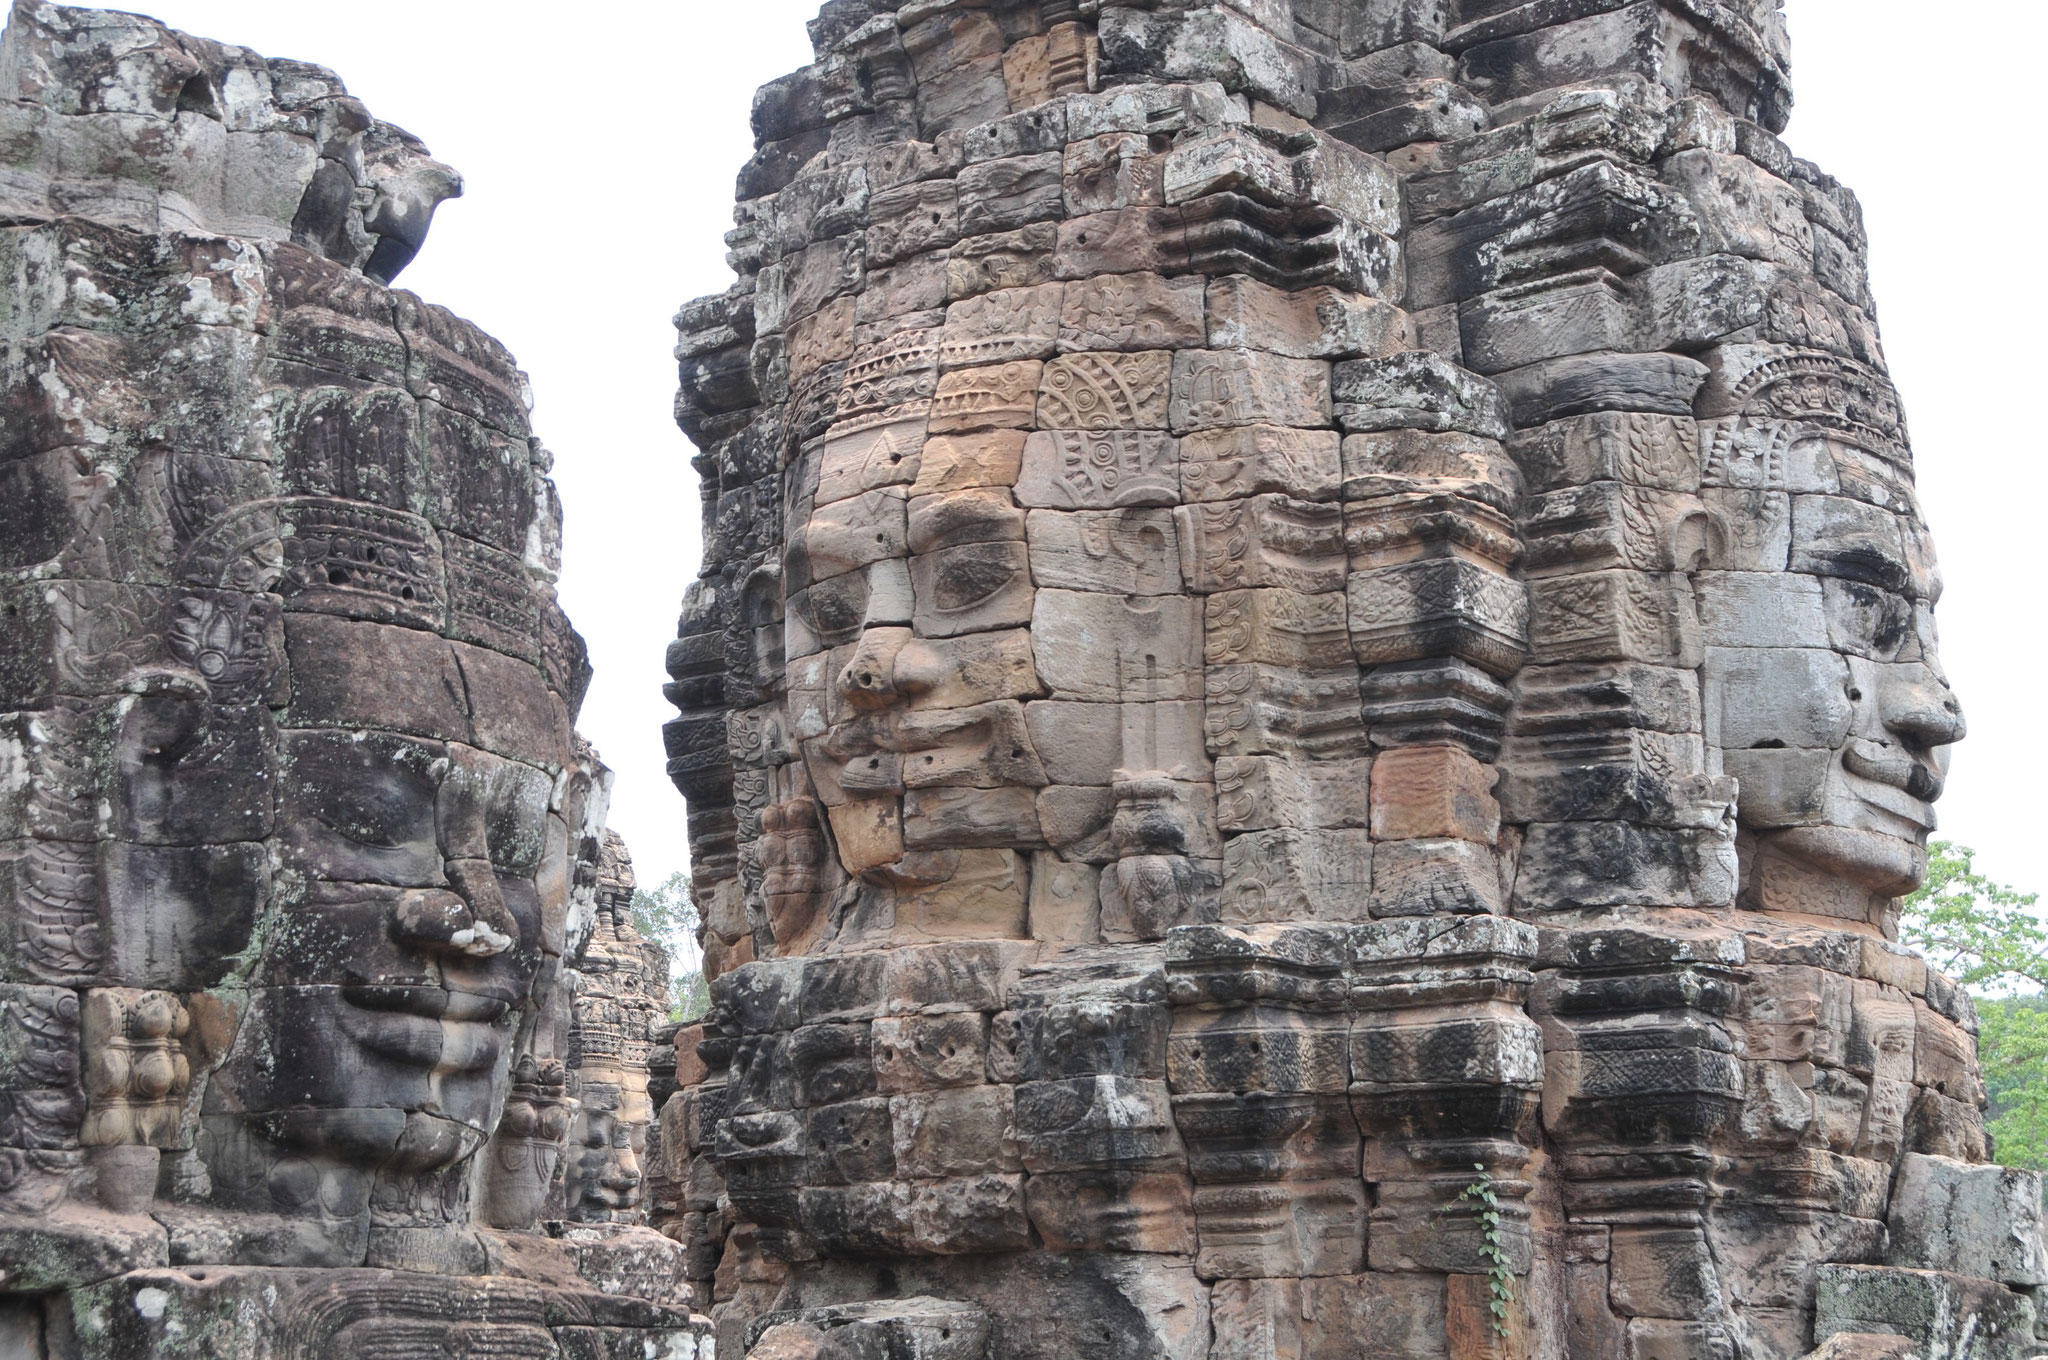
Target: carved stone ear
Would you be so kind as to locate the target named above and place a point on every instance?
(1717, 541)
(1691, 541)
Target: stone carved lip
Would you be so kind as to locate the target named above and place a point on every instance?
(427, 1028)
(1892, 783)
(428, 1001)
(889, 752)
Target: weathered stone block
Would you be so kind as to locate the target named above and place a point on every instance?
(1983, 1221)
(1132, 312)
(1948, 1316)
(1433, 792)
(1219, 388)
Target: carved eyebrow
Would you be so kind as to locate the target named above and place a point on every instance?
(1865, 562)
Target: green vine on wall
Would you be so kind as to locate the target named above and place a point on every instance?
(1500, 1275)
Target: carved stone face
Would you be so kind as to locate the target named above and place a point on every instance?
(604, 1172)
(298, 731)
(431, 876)
(1824, 689)
(914, 666)
(423, 885)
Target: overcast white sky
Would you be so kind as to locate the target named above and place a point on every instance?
(600, 146)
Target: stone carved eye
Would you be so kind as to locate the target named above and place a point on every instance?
(973, 577)
(375, 813)
(835, 609)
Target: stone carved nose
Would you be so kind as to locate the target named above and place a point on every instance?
(436, 919)
(624, 1173)
(869, 677)
(1917, 705)
(460, 816)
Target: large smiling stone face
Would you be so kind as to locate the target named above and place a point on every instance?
(289, 695)
(1824, 691)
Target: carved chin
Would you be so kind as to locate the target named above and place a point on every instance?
(1888, 865)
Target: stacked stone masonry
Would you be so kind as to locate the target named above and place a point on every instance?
(1307, 606)
(324, 1028)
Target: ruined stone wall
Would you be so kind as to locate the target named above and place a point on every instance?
(298, 847)
(1310, 607)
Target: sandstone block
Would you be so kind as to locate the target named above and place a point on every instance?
(1123, 552)
(852, 1142)
(1112, 649)
(1003, 259)
(921, 1053)
(909, 292)
(1263, 710)
(1930, 1307)
(1099, 469)
(1121, 1036)
(971, 588)
(1148, 896)
(1097, 392)
(1381, 1316)
(1030, 131)
(994, 396)
(1075, 822)
(1556, 388)
(1000, 326)
(1132, 312)
(980, 515)
(912, 219)
(1112, 1210)
(1434, 877)
(1257, 792)
(1276, 627)
(969, 818)
(1432, 791)
(1139, 237)
(1038, 68)
(1246, 460)
(1229, 159)
(1439, 607)
(1215, 388)
(1590, 863)
(959, 1132)
(865, 460)
(1003, 195)
(1064, 903)
(1112, 171)
(958, 462)
(1079, 743)
(1743, 208)
(1638, 448)
(1262, 541)
(1416, 390)
(979, 894)
(1423, 462)
(1289, 875)
(1095, 1122)
(1314, 323)
(1983, 1221)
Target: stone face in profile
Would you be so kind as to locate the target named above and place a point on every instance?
(293, 818)
(1308, 606)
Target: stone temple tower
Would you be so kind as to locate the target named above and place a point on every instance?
(299, 851)
(1311, 694)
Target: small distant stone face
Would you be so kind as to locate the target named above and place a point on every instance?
(1307, 606)
(621, 987)
(297, 843)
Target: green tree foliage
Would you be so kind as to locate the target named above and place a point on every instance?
(666, 915)
(1988, 937)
